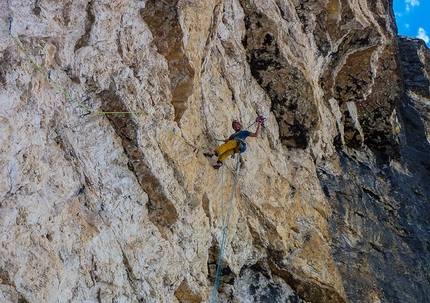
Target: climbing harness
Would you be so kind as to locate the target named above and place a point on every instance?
(225, 223)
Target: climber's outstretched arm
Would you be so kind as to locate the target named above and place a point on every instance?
(257, 131)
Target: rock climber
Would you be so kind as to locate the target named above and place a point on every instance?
(235, 143)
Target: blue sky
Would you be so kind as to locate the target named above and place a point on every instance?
(412, 18)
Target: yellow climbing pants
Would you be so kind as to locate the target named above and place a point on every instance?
(227, 149)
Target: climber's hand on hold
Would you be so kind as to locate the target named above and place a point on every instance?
(260, 120)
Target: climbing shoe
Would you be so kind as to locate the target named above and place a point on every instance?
(217, 165)
(209, 155)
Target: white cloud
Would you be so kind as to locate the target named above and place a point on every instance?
(412, 2)
(423, 35)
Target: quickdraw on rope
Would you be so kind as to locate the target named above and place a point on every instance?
(89, 110)
(225, 223)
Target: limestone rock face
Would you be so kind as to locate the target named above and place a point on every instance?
(106, 107)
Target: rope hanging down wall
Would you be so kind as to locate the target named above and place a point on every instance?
(225, 223)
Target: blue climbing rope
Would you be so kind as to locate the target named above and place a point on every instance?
(225, 223)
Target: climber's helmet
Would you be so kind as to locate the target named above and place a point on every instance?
(236, 125)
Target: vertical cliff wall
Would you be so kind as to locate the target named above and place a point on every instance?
(105, 197)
